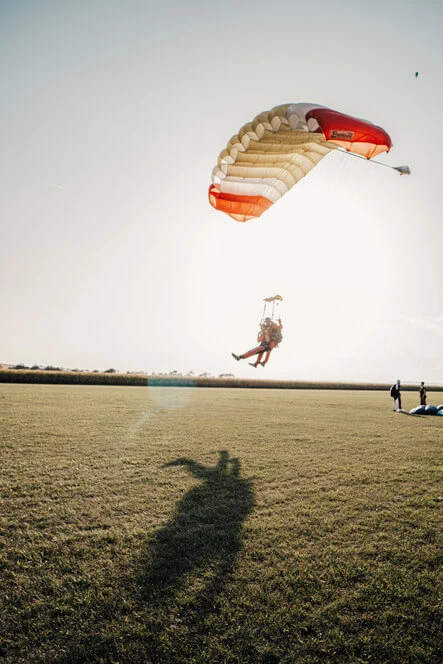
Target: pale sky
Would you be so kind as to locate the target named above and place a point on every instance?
(112, 117)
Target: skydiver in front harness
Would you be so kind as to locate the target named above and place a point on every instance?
(269, 337)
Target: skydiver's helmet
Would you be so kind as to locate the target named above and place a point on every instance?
(267, 321)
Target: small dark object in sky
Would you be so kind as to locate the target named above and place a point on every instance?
(416, 74)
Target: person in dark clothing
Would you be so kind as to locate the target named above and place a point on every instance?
(396, 395)
(422, 392)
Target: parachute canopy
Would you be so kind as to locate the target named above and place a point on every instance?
(272, 153)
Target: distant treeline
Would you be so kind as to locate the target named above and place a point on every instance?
(60, 377)
(106, 378)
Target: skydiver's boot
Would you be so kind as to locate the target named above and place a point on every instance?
(236, 357)
(254, 364)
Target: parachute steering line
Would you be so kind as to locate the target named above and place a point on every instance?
(274, 301)
(403, 170)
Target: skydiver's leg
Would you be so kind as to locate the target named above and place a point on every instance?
(249, 353)
(268, 353)
(254, 351)
(258, 361)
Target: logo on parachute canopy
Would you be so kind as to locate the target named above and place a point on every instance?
(342, 135)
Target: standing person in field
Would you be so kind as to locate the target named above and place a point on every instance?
(269, 336)
(396, 395)
(422, 392)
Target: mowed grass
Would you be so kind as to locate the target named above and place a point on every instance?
(179, 525)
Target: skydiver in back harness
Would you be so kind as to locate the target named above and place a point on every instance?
(269, 337)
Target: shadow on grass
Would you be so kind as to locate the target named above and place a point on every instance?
(188, 562)
(195, 552)
(180, 577)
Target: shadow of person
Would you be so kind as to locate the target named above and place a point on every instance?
(196, 551)
(178, 578)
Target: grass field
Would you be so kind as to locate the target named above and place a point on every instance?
(179, 525)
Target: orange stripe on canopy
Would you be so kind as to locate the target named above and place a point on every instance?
(240, 208)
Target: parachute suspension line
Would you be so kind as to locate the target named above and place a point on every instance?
(275, 302)
(403, 170)
(274, 308)
(264, 313)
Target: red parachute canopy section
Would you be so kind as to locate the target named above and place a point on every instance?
(278, 148)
